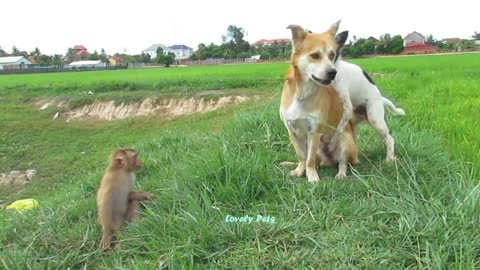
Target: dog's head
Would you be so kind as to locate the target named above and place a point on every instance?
(314, 54)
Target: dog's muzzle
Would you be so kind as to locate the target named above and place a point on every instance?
(325, 82)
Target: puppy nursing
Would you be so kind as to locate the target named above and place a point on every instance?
(324, 98)
(310, 107)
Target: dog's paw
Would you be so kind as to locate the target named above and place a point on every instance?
(313, 177)
(391, 159)
(340, 175)
(297, 172)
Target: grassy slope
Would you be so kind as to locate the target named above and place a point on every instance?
(383, 215)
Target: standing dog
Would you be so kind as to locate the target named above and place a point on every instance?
(359, 95)
(310, 107)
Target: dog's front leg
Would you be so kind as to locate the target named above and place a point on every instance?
(300, 146)
(343, 95)
(313, 144)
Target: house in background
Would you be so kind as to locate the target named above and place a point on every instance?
(457, 42)
(14, 62)
(116, 61)
(372, 39)
(80, 53)
(152, 50)
(32, 59)
(414, 37)
(88, 64)
(181, 51)
(414, 43)
(268, 42)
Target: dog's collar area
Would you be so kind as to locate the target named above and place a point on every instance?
(325, 82)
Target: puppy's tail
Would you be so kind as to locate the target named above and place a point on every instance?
(391, 107)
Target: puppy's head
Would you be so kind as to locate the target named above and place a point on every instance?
(314, 54)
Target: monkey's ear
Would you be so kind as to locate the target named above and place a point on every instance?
(118, 161)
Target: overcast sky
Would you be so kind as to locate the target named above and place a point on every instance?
(55, 25)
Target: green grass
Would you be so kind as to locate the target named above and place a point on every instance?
(422, 212)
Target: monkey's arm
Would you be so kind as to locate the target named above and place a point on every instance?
(140, 196)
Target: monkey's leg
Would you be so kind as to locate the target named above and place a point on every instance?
(108, 235)
(133, 210)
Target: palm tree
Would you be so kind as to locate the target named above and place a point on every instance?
(15, 51)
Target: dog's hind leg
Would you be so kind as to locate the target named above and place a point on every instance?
(376, 117)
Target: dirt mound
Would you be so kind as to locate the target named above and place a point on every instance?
(111, 110)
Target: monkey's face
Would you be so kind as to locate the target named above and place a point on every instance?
(126, 159)
(134, 162)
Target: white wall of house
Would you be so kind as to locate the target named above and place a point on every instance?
(14, 61)
(182, 53)
(414, 37)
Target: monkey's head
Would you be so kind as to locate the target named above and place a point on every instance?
(125, 159)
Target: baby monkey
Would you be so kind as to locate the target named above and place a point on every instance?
(116, 202)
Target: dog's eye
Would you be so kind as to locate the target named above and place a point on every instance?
(331, 55)
(315, 55)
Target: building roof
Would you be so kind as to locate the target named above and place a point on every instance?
(413, 33)
(79, 47)
(32, 59)
(11, 59)
(85, 63)
(117, 58)
(452, 40)
(154, 47)
(82, 53)
(180, 47)
(372, 38)
(419, 46)
(271, 41)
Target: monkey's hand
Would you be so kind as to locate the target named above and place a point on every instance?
(148, 196)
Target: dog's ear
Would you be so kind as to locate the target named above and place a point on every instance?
(340, 39)
(298, 35)
(334, 28)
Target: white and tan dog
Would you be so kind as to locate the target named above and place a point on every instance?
(361, 98)
(310, 107)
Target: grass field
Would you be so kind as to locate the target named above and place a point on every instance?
(423, 212)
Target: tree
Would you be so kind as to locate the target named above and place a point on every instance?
(396, 44)
(167, 60)
(57, 60)
(94, 56)
(70, 55)
(44, 60)
(467, 44)
(2, 52)
(159, 51)
(103, 57)
(234, 43)
(476, 35)
(15, 51)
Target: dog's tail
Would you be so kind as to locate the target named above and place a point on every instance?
(391, 107)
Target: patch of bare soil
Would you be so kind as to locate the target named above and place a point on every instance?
(171, 107)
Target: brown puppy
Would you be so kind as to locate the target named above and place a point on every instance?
(116, 202)
(310, 107)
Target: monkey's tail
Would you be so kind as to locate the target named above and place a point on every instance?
(391, 107)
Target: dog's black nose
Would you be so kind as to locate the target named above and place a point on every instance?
(331, 73)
